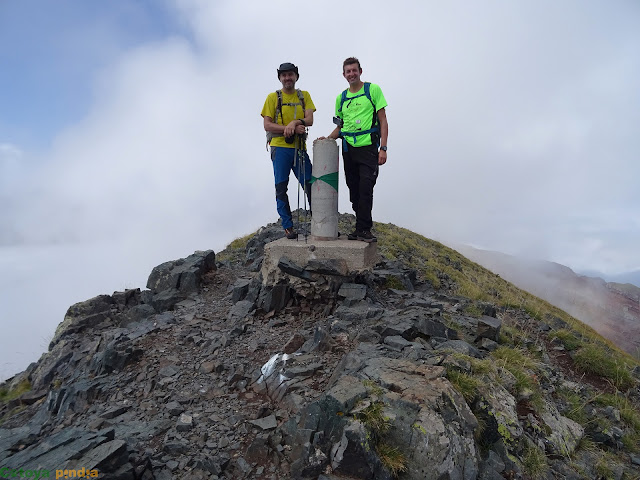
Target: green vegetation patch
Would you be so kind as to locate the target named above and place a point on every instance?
(629, 413)
(234, 252)
(575, 406)
(473, 310)
(523, 368)
(394, 283)
(569, 339)
(631, 442)
(392, 458)
(511, 336)
(534, 310)
(6, 394)
(240, 243)
(416, 251)
(534, 462)
(605, 465)
(479, 367)
(378, 425)
(464, 383)
(607, 364)
(372, 387)
(373, 418)
(514, 357)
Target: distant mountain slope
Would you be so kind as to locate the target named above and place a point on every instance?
(627, 277)
(612, 309)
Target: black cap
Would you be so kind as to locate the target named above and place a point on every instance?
(288, 67)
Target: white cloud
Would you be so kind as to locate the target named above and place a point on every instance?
(11, 157)
(9, 152)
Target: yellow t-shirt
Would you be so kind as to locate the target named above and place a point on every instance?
(289, 112)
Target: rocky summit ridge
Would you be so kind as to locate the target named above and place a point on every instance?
(426, 367)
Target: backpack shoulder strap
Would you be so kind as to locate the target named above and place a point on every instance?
(279, 106)
(301, 98)
(367, 92)
(343, 99)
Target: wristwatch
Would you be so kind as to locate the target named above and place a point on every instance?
(384, 149)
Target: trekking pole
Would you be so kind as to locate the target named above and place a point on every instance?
(296, 164)
(303, 149)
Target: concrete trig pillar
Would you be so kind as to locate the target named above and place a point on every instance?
(324, 190)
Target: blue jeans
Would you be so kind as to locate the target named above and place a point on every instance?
(284, 160)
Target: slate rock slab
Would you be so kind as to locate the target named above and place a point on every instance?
(265, 423)
(352, 291)
(84, 315)
(489, 327)
(184, 274)
(431, 423)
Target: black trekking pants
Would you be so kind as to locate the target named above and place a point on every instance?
(361, 173)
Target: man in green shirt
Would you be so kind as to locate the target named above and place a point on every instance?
(363, 128)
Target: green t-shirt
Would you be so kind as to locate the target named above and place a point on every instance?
(357, 113)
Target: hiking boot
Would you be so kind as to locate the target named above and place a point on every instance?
(353, 235)
(290, 233)
(367, 236)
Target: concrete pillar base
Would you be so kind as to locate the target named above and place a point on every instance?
(357, 256)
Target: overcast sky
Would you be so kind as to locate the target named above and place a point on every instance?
(130, 132)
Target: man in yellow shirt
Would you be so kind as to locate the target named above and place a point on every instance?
(286, 115)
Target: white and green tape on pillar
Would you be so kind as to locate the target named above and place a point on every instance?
(329, 178)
